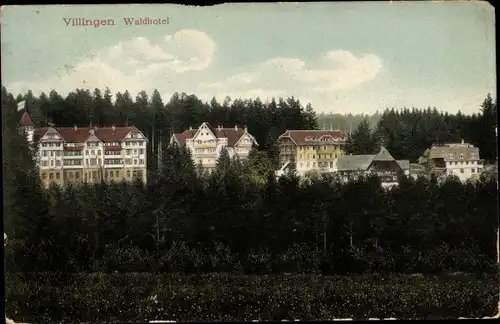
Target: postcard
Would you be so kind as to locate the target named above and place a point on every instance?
(250, 162)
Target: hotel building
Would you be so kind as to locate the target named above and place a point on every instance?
(87, 154)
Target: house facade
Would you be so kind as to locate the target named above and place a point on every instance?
(207, 142)
(87, 154)
(458, 159)
(311, 150)
(381, 164)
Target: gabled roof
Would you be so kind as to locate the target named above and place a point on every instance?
(383, 155)
(404, 164)
(452, 152)
(182, 137)
(355, 162)
(363, 162)
(26, 120)
(311, 137)
(232, 134)
(81, 134)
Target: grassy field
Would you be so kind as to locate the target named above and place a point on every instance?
(132, 297)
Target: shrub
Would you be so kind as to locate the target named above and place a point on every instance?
(49, 297)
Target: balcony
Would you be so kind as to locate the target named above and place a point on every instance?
(205, 145)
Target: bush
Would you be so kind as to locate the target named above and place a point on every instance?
(132, 297)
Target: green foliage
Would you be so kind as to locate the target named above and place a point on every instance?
(141, 297)
(420, 226)
(362, 140)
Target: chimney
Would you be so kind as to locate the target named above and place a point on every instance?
(91, 131)
(75, 128)
(113, 128)
(236, 127)
(190, 128)
(246, 128)
(219, 127)
(462, 141)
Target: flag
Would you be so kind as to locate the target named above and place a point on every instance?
(21, 105)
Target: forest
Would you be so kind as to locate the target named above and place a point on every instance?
(241, 219)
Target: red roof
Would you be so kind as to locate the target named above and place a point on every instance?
(26, 120)
(81, 134)
(299, 136)
(232, 134)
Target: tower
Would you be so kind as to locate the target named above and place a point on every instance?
(27, 126)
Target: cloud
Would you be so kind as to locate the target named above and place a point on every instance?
(336, 70)
(135, 64)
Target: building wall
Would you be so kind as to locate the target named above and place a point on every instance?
(90, 163)
(464, 170)
(312, 157)
(205, 148)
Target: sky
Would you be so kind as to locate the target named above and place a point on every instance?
(342, 57)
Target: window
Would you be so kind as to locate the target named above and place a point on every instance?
(77, 175)
(45, 163)
(45, 153)
(44, 176)
(58, 176)
(141, 151)
(105, 174)
(58, 163)
(128, 174)
(141, 161)
(51, 176)
(93, 161)
(111, 174)
(51, 153)
(71, 175)
(51, 162)
(134, 174)
(94, 175)
(135, 161)
(99, 152)
(461, 170)
(473, 170)
(135, 151)
(129, 152)
(467, 162)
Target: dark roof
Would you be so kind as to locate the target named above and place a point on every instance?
(311, 137)
(354, 162)
(362, 162)
(452, 152)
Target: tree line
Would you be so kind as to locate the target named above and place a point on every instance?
(406, 133)
(241, 217)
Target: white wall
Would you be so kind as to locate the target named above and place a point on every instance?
(464, 169)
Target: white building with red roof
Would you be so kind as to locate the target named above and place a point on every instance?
(206, 143)
(88, 154)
